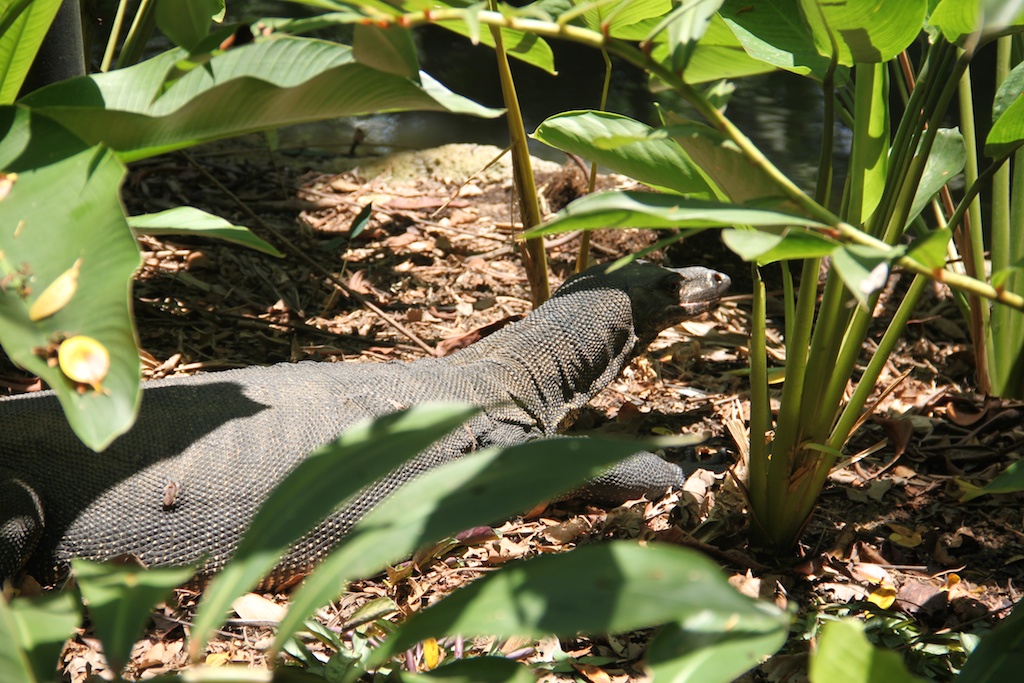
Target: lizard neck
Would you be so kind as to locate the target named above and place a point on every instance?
(559, 357)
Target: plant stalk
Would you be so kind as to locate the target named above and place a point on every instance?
(532, 250)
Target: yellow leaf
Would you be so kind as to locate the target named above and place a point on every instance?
(56, 295)
(594, 674)
(217, 659)
(7, 181)
(951, 580)
(905, 537)
(83, 359)
(883, 596)
(431, 654)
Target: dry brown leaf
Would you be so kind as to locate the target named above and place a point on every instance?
(453, 344)
(566, 532)
(253, 607)
(748, 584)
(153, 656)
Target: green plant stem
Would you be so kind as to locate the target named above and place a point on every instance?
(902, 147)
(532, 250)
(869, 159)
(138, 35)
(967, 226)
(759, 419)
(1005, 331)
(854, 407)
(912, 178)
(870, 147)
(1000, 222)
(823, 186)
(583, 257)
(115, 35)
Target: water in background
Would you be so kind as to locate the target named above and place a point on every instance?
(781, 112)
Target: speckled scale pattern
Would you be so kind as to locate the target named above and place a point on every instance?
(224, 440)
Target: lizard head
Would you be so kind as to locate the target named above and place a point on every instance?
(662, 297)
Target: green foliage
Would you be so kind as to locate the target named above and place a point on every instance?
(998, 656)
(120, 600)
(844, 654)
(659, 163)
(166, 103)
(189, 220)
(44, 155)
(649, 210)
(23, 24)
(32, 635)
(567, 593)
(186, 24)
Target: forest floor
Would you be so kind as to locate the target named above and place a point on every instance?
(889, 543)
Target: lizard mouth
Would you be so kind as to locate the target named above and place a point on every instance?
(698, 294)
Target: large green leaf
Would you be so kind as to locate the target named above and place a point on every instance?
(660, 163)
(797, 37)
(766, 247)
(266, 84)
(958, 19)
(32, 635)
(481, 489)
(1000, 655)
(649, 210)
(625, 19)
(605, 588)
(120, 600)
(947, 159)
(863, 269)
(389, 50)
(42, 238)
(360, 456)
(718, 157)
(188, 220)
(774, 32)
(716, 647)
(23, 24)
(1007, 133)
(844, 654)
(865, 31)
(1007, 130)
(686, 24)
(719, 55)
(186, 23)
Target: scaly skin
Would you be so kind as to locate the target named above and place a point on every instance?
(215, 445)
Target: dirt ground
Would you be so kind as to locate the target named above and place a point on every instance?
(436, 262)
